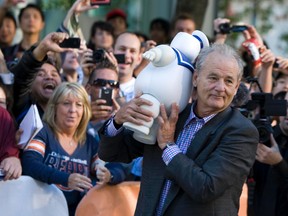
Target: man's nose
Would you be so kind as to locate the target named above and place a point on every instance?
(107, 85)
(48, 75)
(127, 54)
(220, 85)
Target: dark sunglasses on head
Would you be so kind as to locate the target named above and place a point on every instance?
(104, 82)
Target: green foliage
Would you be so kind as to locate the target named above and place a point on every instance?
(259, 12)
(66, 4)
(56, 4)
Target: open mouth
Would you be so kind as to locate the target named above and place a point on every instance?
(49, 87)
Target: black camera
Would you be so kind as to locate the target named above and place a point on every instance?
(71, 43)
(276, 64)
(98, 55)
(267, 107)
(226, 28)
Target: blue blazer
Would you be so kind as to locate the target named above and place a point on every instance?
(207, 180)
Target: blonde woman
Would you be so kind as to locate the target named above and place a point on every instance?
(62, 153)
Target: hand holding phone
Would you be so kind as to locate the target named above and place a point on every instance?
(106, 94)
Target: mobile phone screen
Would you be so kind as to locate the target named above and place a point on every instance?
(100, 2)
(70, 43)
(106, 94)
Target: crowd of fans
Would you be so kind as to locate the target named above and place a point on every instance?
(66, 85)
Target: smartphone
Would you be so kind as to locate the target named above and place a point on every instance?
(120, 58)
(100, 2)
(70, 43)
(106, 94)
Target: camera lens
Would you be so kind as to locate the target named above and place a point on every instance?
(264, 129)
(98, 55)
(264, 134)
(224, 28)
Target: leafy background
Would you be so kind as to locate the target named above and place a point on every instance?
(267, 16)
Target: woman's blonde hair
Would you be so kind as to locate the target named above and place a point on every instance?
(60, 93)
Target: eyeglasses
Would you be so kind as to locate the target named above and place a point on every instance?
(104, 82)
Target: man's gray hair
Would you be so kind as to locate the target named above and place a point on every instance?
(221, 49)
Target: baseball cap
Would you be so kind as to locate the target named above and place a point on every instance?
(116, 13)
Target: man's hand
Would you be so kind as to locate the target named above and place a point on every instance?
(10, 3)
(282, 65)
(81, 6)
(100, 111)
(251, 33)
(133, 112)
(167, 125)
(12, 168)
(267, 57)
(103, 174)
(219, 37)
(50, 43)
(267, 155)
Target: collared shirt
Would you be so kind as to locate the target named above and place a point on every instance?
(110, 129)
(192, 125)
(127, 89)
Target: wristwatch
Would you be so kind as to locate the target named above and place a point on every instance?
(169, 144)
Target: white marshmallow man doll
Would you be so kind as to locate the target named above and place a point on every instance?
(167, 79)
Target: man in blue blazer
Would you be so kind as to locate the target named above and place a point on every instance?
(202, 156)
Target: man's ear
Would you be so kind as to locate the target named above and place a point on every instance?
(88, 88)
(195, 77)
(139, 59)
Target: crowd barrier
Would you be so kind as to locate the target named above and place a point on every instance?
(28, 197)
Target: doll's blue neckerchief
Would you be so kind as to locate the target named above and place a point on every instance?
(183, 60)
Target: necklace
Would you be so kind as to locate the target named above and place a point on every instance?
(71, 143)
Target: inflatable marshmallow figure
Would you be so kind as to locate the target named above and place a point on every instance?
(167, 79)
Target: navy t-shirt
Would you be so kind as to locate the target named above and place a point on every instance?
(45, 160)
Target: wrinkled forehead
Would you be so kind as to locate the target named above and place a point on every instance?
(47, 68)
(106, 73)
(128, 40)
